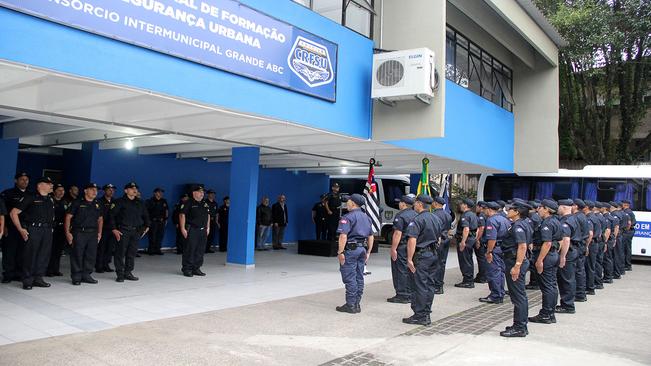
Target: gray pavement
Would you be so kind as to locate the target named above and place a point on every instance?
(612, 328)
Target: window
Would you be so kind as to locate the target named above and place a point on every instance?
(354, 14)
(475, 69)
(393, 190)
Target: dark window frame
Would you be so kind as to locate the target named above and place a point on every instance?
(344, 7)
(488, 89)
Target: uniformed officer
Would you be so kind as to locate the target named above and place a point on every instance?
(497, 227)
(466, 237)
(424, 234)
(129, 222)
(443, 247)
(212, 209)
(613, 225)
(13, 244)
(83, 227)
(332, 210)
(158, 211)
(480, 245)
(319, 216)
(59, 234)
(592, 247)
(628, 234)
(547, 240)
(601, 245)
(535, 221)
(194, 221)
(583, 248)
(35, 228)
(514, 252)
(402, 276)
(222, 223)
(180, 240)
(3, 222)
(620, 253)
(106, 247)
(355, 244)
(570, 250)
(617, 232)
(502, 210)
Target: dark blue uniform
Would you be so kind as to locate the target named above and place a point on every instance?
(567, 275)
(520, 233)
(443, 248)
(196, 223)
(620, 252)
(601, 244)
(497, 228)
(13, 245)
(427, 229)
(84, 227)
(107, 243)
(158, 212)
(549, 231)
(534, 221)
(358, 227)
(58, 239)
(38, 219)
(609, 255)
(468, 220)
(628, 239)
(402, 277)
(480, 251)
(591, 259)
(130, 217)
(580, 274)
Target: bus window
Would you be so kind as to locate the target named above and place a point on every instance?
(556, 188)
(617, 190)
(606, 189)
(393, 190)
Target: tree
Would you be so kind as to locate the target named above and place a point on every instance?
(606, 61)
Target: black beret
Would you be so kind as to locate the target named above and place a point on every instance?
(520, 204)
(537, 201)
(408, 199)
(44, 180)
(579, 203)
(566, 202)
(21, 174)
(90, 185)
(425, 199)
(131, 185)
(439, 200)
(468, 202)
(550, 204)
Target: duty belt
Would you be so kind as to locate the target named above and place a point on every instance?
(352, 245)
(429, 248)
(158, 219)
(39, 224)
(124, 227)
(196, 227)
(84, 229)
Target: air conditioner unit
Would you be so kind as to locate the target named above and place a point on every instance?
(404, 75)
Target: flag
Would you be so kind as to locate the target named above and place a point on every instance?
(445, 192)
(423, 184)
(370, 193)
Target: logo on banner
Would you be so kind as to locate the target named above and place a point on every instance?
(310, 61)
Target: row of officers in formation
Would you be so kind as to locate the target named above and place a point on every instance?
(569, 247)
(95, 231)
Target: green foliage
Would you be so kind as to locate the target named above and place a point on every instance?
(458, 193)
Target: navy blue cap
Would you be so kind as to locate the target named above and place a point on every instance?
(493, 205)
(107, 186)
(614, 203)
(90, 185)
(566, 202)
(520, 204)
(579, 203)
(408, 199)
(358, 199)
(537, 201)
(534, 204)
(131, 185)
(21, 174)
(481, 204)
(626, 201)
(605, 205)
(550, 204)
(468, 202)
(501, 203)
(439, 200)
(44, 180)
(425, 199)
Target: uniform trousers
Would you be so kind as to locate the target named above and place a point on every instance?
(517, 292)
(549, 283)
(36, 254)
(83, 254)
(495, 275)
(352, 274)
(195, 247)
(402, 276)
(427, 264)
(567, 278)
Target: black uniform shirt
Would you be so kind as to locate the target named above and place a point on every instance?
(196, 213)
(597, 230)
(3, 208)
(320, 211)
(550, 231)
(625, 220)
(427, 228)
(614, 222)
(571, 228)
(12, 197)
(356, 225)
(60, 208)
(212, 208)
(85, 213)
(584, 224)
(446, 221)
(157, 208)
(631, 216)
(334, 201)
(128, 212)
(402, 220)
(497, 227)
(37, 209)
(468, 220)
(223, 216)
(520, 232)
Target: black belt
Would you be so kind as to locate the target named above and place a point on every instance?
(84, 229)
(123, 227)
(429, 248)
(509, 255)
(39, 224)
(196, 227)
(160, 220)
(352, 245)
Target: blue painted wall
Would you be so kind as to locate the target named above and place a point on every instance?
(471, 124)
(33, 41)
(9, 154)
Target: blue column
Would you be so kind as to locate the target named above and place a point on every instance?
(9, 154)
(244, 195)
(413, 182)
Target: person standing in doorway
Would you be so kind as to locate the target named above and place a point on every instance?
(263, 219)
(280, 218)
(106, 247)
(59, 234)
(158, 213)
(222, 223)
(13, 244)
(332, 205)
(319, 217)
(212, 210)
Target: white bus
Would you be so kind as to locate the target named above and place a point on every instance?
(596, 182)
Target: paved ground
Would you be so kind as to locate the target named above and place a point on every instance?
(612, 328)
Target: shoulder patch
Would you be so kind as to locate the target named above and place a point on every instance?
(112, 205)
(489, 227)
(343, 221)
(545, 228)
(566, 225)
(182, 205)
(411, 224)
(519, 230)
